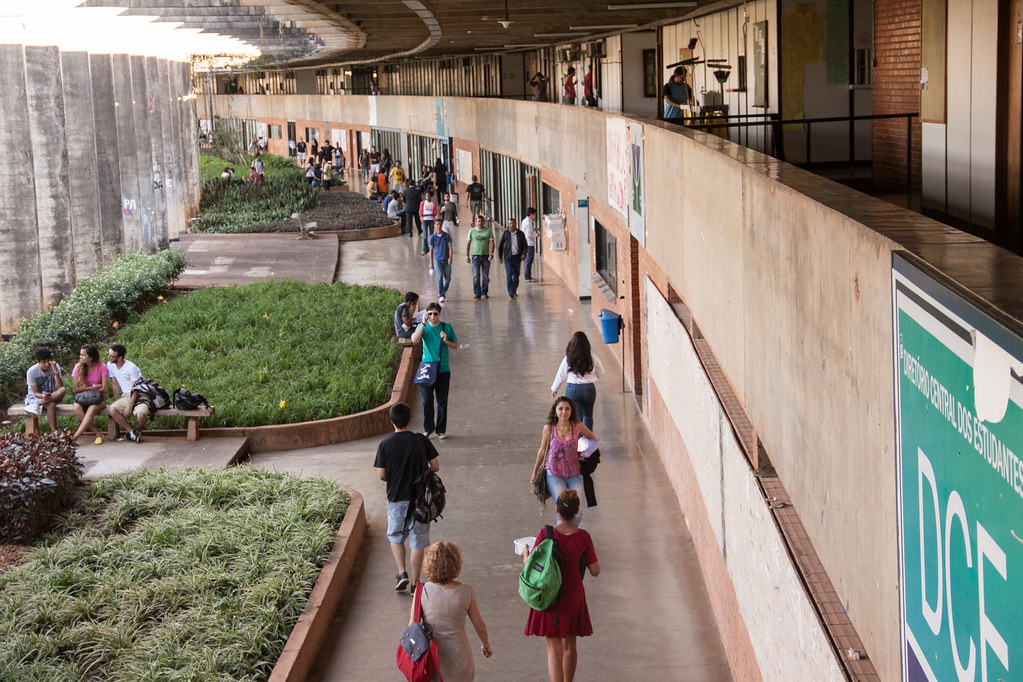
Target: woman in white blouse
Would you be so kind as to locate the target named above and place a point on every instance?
(581, 368)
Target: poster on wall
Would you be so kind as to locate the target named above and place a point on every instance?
(438, 103)
(618, 162)
(464, 169)
(959, 427)
(638, 183)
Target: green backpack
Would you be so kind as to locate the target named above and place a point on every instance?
(540, 580)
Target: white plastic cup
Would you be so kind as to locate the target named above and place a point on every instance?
(524, 546)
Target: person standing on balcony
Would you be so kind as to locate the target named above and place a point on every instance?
(570, 86)
(676, 94)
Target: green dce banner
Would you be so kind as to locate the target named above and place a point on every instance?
(959, 427)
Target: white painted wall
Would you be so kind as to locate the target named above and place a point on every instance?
(633, 100)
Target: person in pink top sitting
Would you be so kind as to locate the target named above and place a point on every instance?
(90, 389)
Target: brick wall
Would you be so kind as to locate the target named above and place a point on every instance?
(562, 264)
(896, 90)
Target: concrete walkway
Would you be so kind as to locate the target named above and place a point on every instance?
(650, 610)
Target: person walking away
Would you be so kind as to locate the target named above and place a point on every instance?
(446, 603)
(328, 176)
(440, 176)
(676, 93)
(405, 316)
(558, 455)
(510, 252)
(427, 216)
(570, 86)
(528, 228)
(474, 195)
(581, 368)
(125, 373)
(479, 251)
(568, 617)
(90, 382)
(401, 458)
(300, 150)
(449, 215)
(410, 213)
(45, 382)
(440, 257)
(437, 337)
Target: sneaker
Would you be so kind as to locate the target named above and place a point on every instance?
(475, 298)
(134, 436)
(34, 408)
(99, 440)
(412, 588)
(442, 436)
(427, 434)
(402, 582)
(485, 296)
(441, 299)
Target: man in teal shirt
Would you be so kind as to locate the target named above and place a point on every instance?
(437, 338)
(479, 250)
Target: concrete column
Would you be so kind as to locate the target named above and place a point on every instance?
(55, 245)
(108, 163)
(172, 145)
(20, 294)
(190, 137)
(86, 227)
(131, 204)
(143, 152)
(156, 104)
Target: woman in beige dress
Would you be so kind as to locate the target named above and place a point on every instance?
(445, 605)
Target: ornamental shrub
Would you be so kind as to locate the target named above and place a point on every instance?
(109, 295)
(232, 205)
(38, 475)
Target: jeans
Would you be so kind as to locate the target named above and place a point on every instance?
(427, 231)
(440, 389)
(583, 395)
(511, 269)
(442, 269)
(556, 486)
(530, 252)
(480, 275)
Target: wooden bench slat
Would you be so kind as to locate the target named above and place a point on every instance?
(67, 409)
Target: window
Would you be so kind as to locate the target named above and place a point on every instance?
(551, 198)
(275, 132)
(649, 73)
(606, 251)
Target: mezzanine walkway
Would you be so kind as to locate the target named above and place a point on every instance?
(650, 610)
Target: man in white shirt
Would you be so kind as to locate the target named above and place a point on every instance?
(528, 228)
(125, 373)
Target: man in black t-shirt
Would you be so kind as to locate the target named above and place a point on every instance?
(401, 458)
(474, 194)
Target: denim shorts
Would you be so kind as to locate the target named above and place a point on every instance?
(419, 536)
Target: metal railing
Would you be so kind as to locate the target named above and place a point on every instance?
(775, 123)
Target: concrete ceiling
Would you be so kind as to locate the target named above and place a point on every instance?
(319, 32)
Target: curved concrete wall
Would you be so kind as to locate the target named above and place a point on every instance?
(788, 278)
(101, 159)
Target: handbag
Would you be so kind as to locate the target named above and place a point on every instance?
(90, 397)
(540, 485)
(416, 656)
(426, 375)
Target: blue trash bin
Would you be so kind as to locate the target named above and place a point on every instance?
(610, 324)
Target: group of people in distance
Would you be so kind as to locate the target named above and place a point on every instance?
(402, 456)
(539, 83)
(90, 386)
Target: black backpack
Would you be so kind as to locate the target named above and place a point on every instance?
(428, 495)
(186, 400)
(152, 394)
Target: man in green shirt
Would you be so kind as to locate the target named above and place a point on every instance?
(479, 250)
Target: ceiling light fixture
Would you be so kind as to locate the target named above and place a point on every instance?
(602, 27)
(653, 5)
(506, 22)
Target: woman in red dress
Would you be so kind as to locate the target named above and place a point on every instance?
(568, 617)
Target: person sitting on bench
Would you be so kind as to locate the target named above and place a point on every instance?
(125, 373)
(46, 390)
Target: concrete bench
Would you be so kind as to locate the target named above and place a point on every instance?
(68, 410)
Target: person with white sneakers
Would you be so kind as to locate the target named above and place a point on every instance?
(45, 381)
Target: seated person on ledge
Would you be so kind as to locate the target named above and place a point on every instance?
(405, 316)
(45, 381)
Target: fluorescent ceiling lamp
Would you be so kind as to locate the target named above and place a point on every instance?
(653, 5)
(602, 27)
(556, 35)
